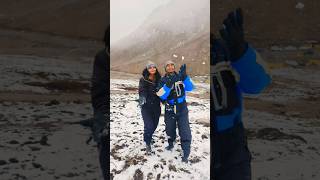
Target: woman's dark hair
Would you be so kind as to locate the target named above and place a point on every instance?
(145, 74)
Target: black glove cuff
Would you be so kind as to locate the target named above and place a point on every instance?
(238, 51)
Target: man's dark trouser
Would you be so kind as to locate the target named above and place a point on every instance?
(103, 149)
(231, 156)
(150, 116)
(182, 119)
(100, 123)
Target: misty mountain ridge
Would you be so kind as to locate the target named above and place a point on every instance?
(176, 31)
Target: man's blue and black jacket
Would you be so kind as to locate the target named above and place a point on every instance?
(253, 79)
(170, 94)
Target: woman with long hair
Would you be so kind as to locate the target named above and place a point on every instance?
(149, 102)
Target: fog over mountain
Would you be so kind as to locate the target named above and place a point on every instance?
(176, 31)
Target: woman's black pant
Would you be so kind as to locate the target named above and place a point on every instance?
(150, 115)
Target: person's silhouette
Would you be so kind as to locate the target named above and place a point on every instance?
(235, 70)
(100, 98)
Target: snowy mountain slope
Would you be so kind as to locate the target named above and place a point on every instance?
(176, 28)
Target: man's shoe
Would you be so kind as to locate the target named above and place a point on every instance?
(170, 147)
(185, 159)
(148, 149)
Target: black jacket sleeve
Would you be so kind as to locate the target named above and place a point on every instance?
(100, 82)
(142, 90)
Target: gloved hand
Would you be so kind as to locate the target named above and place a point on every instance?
(219, 52)
(142, 100)
(183, 72)
(233, 34)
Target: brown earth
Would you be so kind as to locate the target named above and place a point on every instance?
(272, 22)
(72, 18)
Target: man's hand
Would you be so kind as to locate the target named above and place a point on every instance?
(233, 34)
(183, 72)
(219, 52)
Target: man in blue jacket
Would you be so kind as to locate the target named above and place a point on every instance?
(236, 69)
(172, 90)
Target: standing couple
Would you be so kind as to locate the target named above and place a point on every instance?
(171, 91)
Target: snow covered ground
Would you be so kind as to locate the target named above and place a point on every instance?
(283, 147)
(41, 98)
(128, 156)
(38, 137)
(283, 126)
(31, 73)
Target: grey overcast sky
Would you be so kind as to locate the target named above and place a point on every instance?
(127, 15)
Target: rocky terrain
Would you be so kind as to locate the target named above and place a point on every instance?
(42, 101)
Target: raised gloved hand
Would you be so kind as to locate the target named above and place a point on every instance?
(219, 52)
(233, 34)
(183, 72)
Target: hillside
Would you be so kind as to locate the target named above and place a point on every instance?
(273, 22)
(175, 31)
(72, 18)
